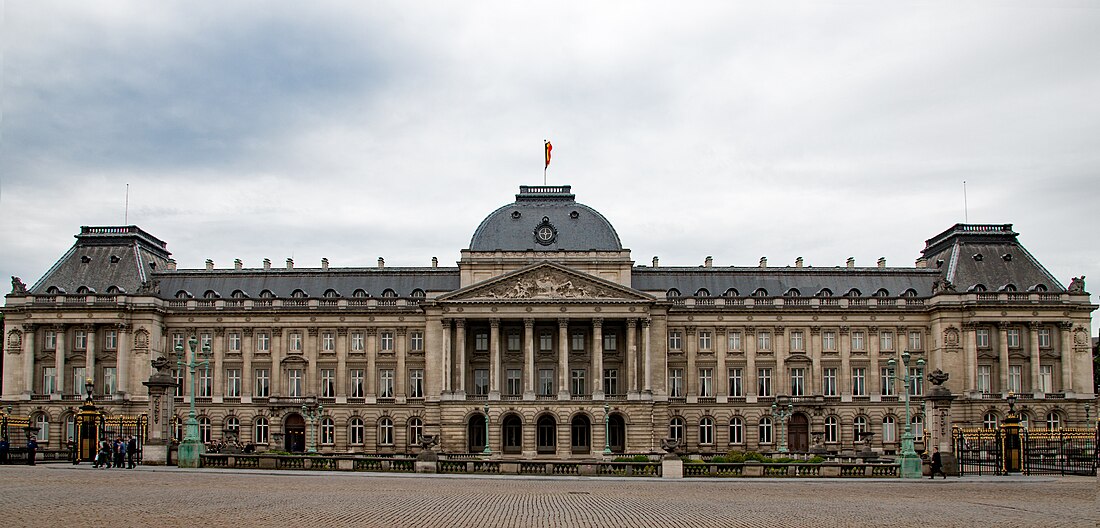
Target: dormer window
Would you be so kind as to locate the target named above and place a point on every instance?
(210, 294)
(53, 290)
(1039, 288)
(882, 293)
(417, 294)
(85, 259)
(115, 259)
(909, 293)
(825, 292)
(360, 294)
(702, 292)
(672, 292)
(267, 294)
(760, 292)
(331, 293)
(299, 294)
(113, 290)
(83, 290)
(389, 294)
(182, 294)
(732, 292)
(1009, 288)
(793, 292)
(853, 293)
(978, 288)
(238, 294)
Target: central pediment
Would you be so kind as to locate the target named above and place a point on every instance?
(546, 282)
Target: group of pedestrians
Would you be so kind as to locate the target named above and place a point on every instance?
(117, 454)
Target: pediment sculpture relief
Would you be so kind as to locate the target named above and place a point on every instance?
(548, 285)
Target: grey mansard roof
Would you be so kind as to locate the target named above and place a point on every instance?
(988, 255)
(577, 227)
(777, 281)
(102, 257)
(314, 282)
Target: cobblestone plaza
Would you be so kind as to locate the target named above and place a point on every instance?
(82, 496)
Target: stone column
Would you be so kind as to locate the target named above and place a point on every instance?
(647, 351)
(782, 385)
(161, 388)
(277, 361)
(312, 373)
(123, 362)
(401, 377)
(529, 359)
(874, 386)
(563, 358)
(372, 358)
(1067, 358)
(691, 374)
(448, 374)
(59, 358)
(751, 379)
(1033, 335)
(970, 345)
(460, 357)
(494, 359)
(631, 357)
(217, 365)
(341, 365)
(1002, 348)
(89, 352)
(721, 377)
(844, 377)
(597, 359)
(815, 386)
(248, 378)
(28, 363)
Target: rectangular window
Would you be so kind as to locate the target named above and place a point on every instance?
(385, 340)
(1013, 335)
(828, 381)
(859, 381)
(357, 342)
(706, 383)
(481, 341)
(328, 342)
(328, 383)
(294, 342)
(515, 382)
(577, 383)
(1044, 338)
(734, 341)
(676, 383)
(857, 341)
(206, 342)
(610, 342)
(764, 382)
(416, 383)
(177, 341)
(984, 375)
(578, 342)
(674, 340)
(546, 382)
(49, 380)
(914, 341)
(263, 342)
(177, 376)
(358, 379)
(385, 383)
(886, 341)
(611, 381)
(1046, 378)
(546, 342)
(514, 342)
(916, 381)
(1015, 379)
(206, 383)
(481, 382)
(416, 340)
(704, 340)
(981, 337)
(887, 379)
(233, 383)
(798, 381)
(49, 340)
(80, 340)
(110, 340)
(79, 377)
(828, 341)
(736, 383)
(797, 343)
(294, 383)
(235, 342)
(263, 383)
(763, 341)
(110, 380)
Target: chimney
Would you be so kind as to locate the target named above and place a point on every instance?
(798, 262)
(267, 264)
(882, 262)
(324, 264)
(922, 262)
(435, 262)
(381, 262)
(171, 264)
(209, 265)
(237, 264)
(289, 263)
(655, 261)
(851, 262)
(763, 262)
(709, 261)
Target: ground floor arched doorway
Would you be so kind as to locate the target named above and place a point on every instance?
(616, 433)
(294, 433)
(475, 434)
(798, 433)
(512, 433)
(580, 435)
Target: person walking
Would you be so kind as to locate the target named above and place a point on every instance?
(72, 451)
(32, 449)
(4, 447)
(120, 453)
(131, 452)
(937, 464)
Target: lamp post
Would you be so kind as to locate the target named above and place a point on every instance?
(312, 413)
(910, 462)
(486, 451)
(782, 413)
(606, 429)
(192, 446)
(86, 441)
(1088, 415)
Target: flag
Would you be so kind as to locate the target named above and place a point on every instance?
(549, 147)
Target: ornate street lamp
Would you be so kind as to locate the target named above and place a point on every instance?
(910, 461)
(487, 451)
(606, 429)
(312, 413)
(86, 441)
(782, 413)
(192, 446)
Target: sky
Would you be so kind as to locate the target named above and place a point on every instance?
(354, 130)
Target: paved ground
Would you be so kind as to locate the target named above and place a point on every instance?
(62, 495)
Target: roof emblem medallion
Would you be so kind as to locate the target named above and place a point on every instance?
(545, 233)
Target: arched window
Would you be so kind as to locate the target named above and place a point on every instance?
(832, 429)
(42, 425)
(1039, 288)
(299, 294)
(765, 430)
(546, 434)
(233, 425)
(676, 429)
(889, 429)
(259, 430)
(793, 292)
(732, 292)
(331, 293)
(989, 421)
(702, 292)
(70, 426)
(182, 294)
(113, 290)
(238, 294)
(385, 431)
(859, 426)
(389, 294)
(417, 294)
(978, 288)
(882, 292)
(825, 292)
(580, 434)
(53, 290)
(416, 430)
(1054, 421)
(760, 292)
(1025, 420)
(83, 290)
(355, 431)
(854, 292)
(360, 294)
(328, 431)
(737, 430)
(1008, 288)
(210, 294)
(513, 434)
(918, 426)
(706, 430)
(204, 429)
(672, 292)
(267, 294)
(909, 293)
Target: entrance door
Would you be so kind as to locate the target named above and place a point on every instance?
(798, 433)
(475, 434)
(294, 430)
(616, 433)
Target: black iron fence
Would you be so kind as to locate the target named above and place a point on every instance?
(1067, 451)
(979, 451)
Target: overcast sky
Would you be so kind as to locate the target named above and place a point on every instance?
(734, 129)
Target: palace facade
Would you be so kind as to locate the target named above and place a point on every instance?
(548, 330)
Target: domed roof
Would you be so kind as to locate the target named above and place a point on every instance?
(545, 218)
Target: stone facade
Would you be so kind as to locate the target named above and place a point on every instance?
(547, 323)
